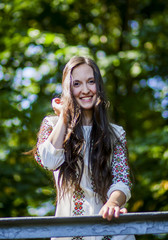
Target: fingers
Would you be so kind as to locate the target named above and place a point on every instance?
(56, 102)
(123, 210)
(117, 212)
(57, 105)
(109, 212)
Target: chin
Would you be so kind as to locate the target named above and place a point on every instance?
(87, 107)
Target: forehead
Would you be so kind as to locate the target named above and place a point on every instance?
(82, 71)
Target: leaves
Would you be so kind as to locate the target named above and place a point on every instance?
(128, 40)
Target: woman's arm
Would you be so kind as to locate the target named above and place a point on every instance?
(48, 154)
(58, 133)
(119, 191)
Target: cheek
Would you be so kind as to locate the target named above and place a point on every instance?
(93, 89)
(75, 92)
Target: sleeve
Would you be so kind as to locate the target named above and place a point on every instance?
(46, 155)
(120, 168)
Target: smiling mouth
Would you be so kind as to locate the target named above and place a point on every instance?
(86, 98)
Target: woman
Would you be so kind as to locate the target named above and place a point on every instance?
(86, 153)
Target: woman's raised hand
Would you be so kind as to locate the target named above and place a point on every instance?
(57, 106)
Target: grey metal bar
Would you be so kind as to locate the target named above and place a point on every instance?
(46, 227)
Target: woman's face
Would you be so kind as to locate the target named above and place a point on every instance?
(84, 86)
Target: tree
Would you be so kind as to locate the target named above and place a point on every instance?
(128, 40)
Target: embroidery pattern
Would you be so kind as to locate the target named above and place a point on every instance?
(45, 131)
(107, 238)
(77, 238)
(78, 199)
(37, 157)
(120, 168)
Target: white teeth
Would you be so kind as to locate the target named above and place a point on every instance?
(87, 98)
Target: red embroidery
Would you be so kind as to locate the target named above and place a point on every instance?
(78, 199)
(107, 238)
(120, 168)
(45, 131)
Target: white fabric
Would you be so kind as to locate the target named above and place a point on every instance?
(52, 158)
(119, 237)
(122, 187)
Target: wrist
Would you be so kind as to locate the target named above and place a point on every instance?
(117, 198)
(114, 203)
(63, 117)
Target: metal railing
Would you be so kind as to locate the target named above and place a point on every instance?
(46, 227)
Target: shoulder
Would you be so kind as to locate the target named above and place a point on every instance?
(119, 131)
(50, 120)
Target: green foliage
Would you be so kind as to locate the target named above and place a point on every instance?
(151, 158)
(128, 40)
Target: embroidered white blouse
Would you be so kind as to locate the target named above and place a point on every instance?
(82, 201)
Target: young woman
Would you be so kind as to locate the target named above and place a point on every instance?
(87, 154)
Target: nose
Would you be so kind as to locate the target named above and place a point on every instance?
(85, 89)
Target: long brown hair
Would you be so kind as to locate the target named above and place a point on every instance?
(102, 136)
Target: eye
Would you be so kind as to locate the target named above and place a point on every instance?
(91, 81)
(76, 83)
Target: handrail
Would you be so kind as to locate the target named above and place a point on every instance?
(45, 227)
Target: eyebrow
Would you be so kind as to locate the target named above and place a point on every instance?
(80, 80)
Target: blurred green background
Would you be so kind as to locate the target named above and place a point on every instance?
(129, 41)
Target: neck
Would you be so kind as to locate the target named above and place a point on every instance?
(87, 117)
